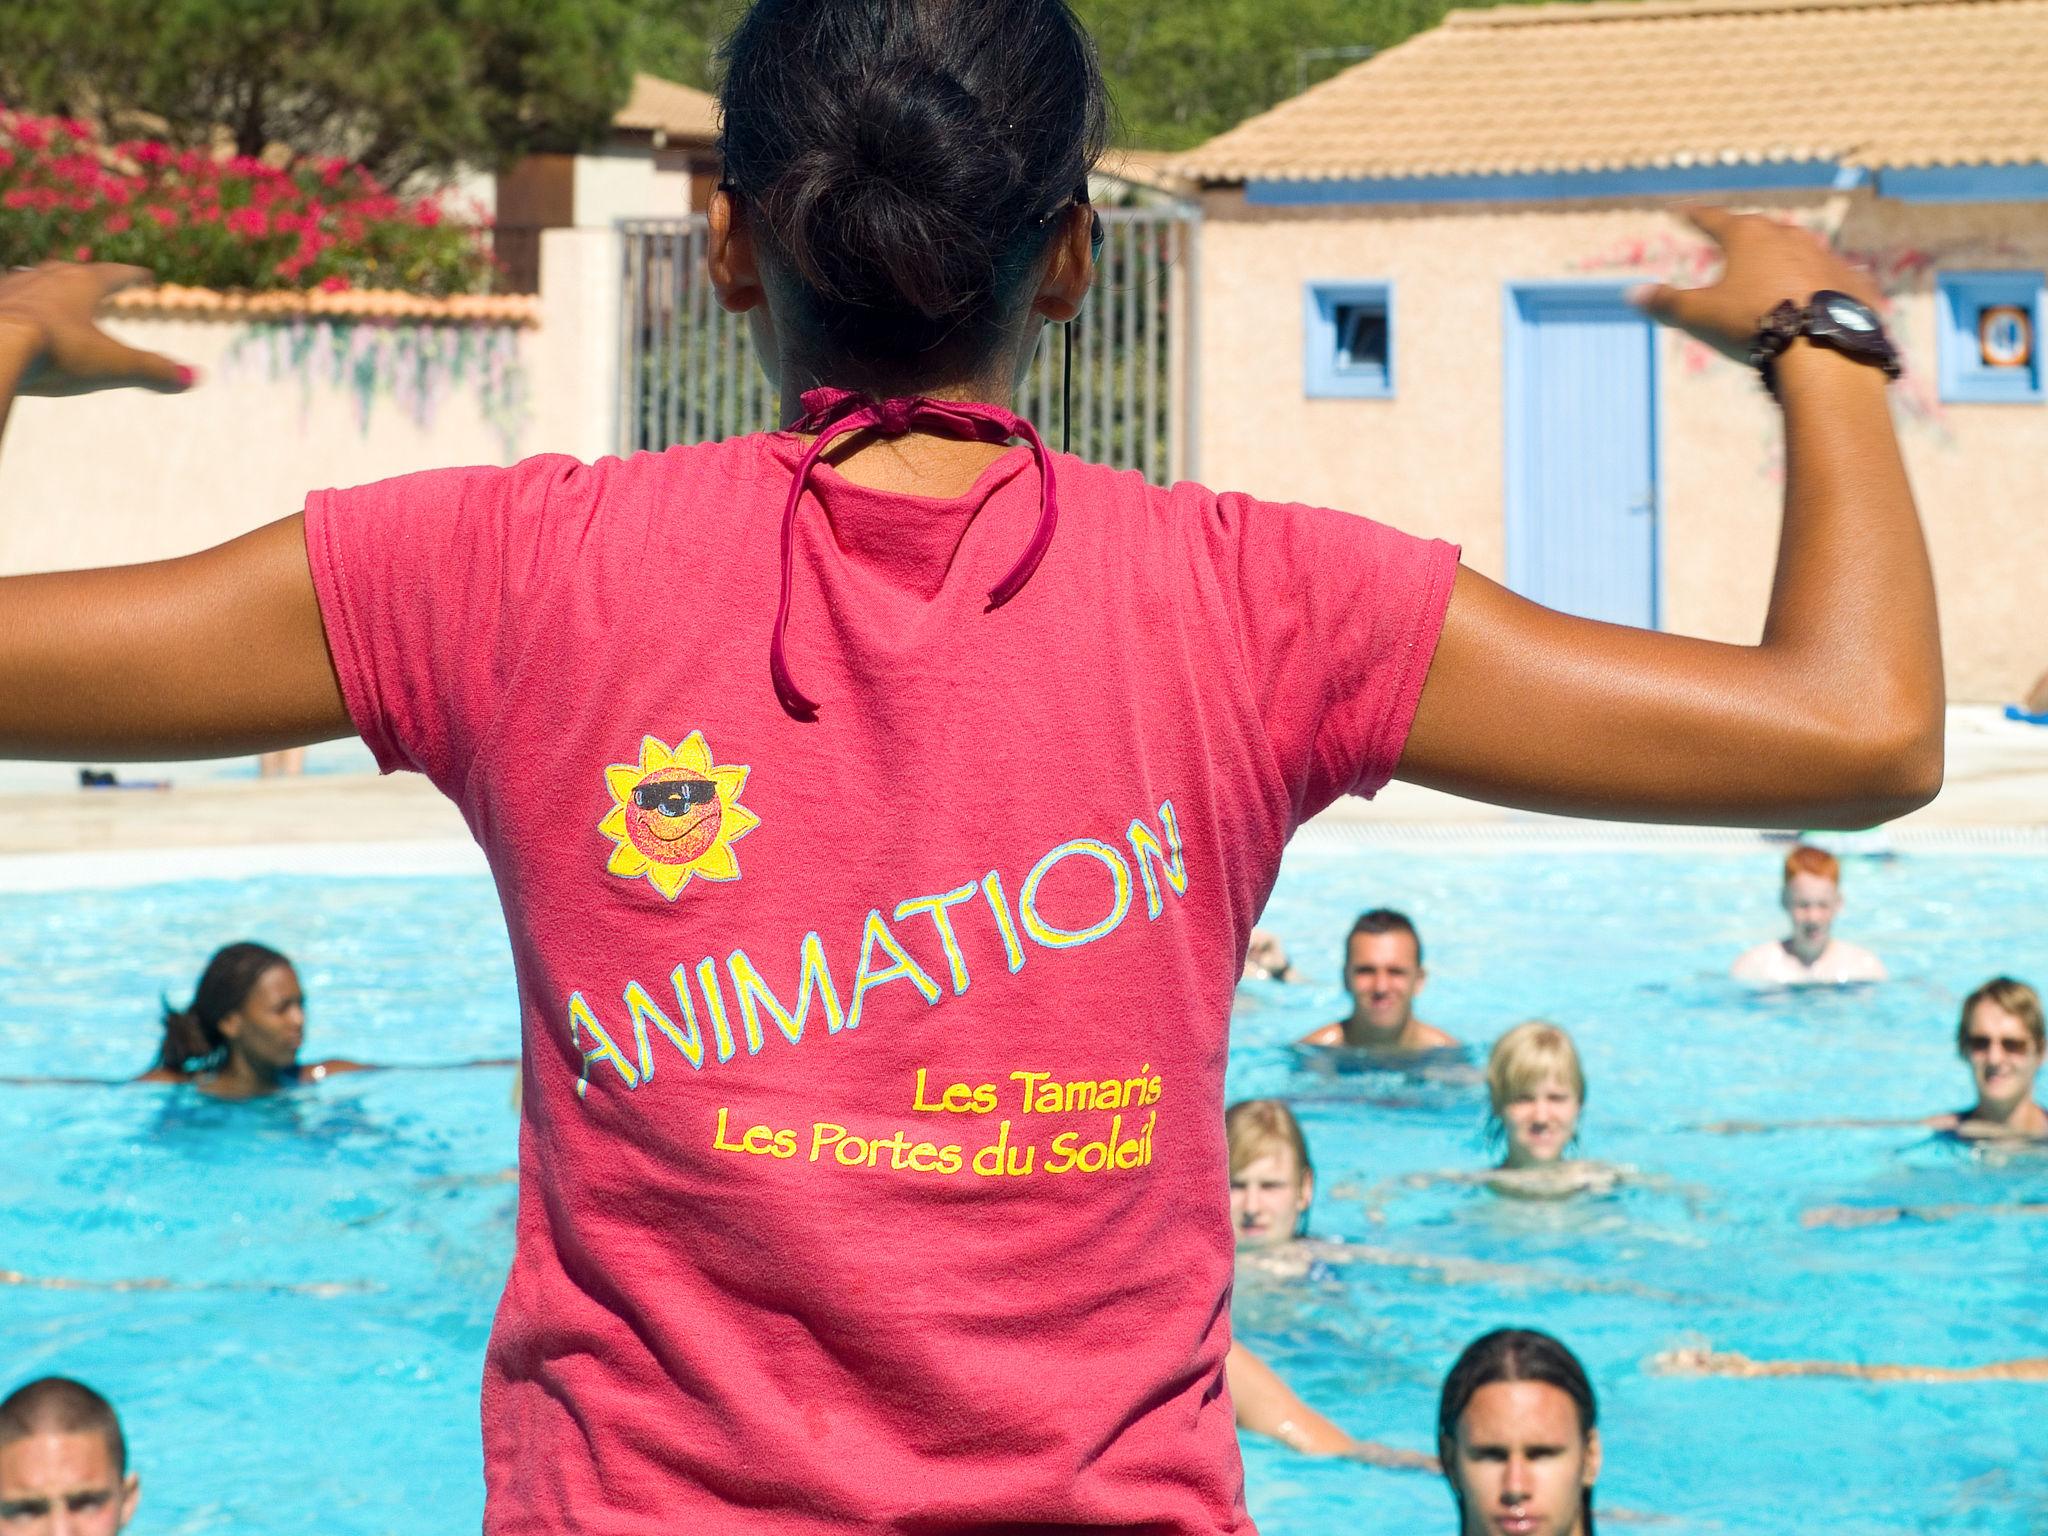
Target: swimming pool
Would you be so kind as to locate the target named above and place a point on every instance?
(337, 1255)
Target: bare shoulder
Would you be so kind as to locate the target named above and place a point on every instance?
(1763, 962)
(1329, 1034)
(1429, 1038)
(1855, 963)
(334, 1068)
(163, 1075)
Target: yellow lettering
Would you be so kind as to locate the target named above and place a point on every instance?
(876, 935)
(998, 903)
(581, 1019)
(813, 976)
(645, 1012)
(1172, 859)
(1053, 937)
(950, 941)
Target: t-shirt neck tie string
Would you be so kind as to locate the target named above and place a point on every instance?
(832, 414)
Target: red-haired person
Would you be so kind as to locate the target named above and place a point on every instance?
(1812, 953)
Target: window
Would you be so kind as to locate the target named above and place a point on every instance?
(1349, 340)
(1990, 338)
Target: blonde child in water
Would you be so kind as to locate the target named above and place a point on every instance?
(1536, 1087)
(1271, 1185)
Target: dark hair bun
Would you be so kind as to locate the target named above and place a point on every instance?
(902, 155)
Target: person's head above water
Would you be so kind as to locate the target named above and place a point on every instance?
(904, 201)
(1537, 1088)
(248, 1004)
(1383, 969)
(2001, 1036)
(63, 1462)
(1517, 1433)
(1812, 896)
(1271, 1178)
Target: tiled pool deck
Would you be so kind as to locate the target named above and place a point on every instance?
(1997, 778)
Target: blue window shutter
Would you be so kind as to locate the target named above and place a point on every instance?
(1348, 340)
(1989, 337)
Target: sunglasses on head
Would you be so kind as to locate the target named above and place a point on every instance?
(674, 797)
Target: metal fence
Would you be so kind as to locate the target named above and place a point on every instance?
(688, 372)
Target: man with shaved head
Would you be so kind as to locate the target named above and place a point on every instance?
(63, 1463)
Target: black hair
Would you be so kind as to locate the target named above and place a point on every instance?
(1513, 1354)
(57, 1405)
(906, 160)
(192, 1038)
(1383, 920)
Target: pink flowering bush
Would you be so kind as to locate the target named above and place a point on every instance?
(210, 223)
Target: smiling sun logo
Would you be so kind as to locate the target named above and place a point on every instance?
(674, 815)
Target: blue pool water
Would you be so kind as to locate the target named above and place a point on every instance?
(335, 1257)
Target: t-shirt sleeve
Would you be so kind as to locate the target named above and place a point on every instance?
(422, 581)
(1338, 619)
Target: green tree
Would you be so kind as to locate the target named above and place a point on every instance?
(409, 88)
(676, 39)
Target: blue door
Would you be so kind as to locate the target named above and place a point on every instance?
(1581, 452)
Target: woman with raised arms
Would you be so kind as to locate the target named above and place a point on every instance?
(708, 701)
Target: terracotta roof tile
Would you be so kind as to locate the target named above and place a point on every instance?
(663, 106)
(351, 304)
(1620, 84)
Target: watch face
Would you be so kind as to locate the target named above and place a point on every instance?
(1848, 314)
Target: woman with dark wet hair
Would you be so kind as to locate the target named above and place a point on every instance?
(1517, 1433)
(241, 1036)
(844, 785)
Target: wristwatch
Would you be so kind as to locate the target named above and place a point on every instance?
(1829, 319)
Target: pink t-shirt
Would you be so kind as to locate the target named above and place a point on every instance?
(872, 1175)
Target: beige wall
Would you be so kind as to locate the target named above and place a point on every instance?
(1431, 458)
(109, 479)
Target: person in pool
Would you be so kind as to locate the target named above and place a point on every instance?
(1536, 1091)
(241, 1036)
(1699, 1360)
(2001, 1037)
(1382, 974)
(63, 1462)
(1272, 1183)
(856, 700)
(1518, 1433)
(1265, 958)
(1812, 895)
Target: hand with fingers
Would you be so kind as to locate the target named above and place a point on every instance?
(50, 311)
(1764, 262)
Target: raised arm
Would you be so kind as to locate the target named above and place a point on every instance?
(215, 654)
(1833, 719)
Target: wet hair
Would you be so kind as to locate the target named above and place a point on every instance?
(2015, 997)
(1254, 1127)
(1512, 1354)
(1521, 1060)
(192, 1039)
(1805, 859)
(1383, 920)
(905, 160)
(57, 1405)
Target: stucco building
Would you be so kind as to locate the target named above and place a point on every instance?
(1412, 276)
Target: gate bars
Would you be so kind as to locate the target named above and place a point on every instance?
(688, 371)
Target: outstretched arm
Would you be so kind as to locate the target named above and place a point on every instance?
(1833, 719)
(215, 654)
(1266, 1405)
